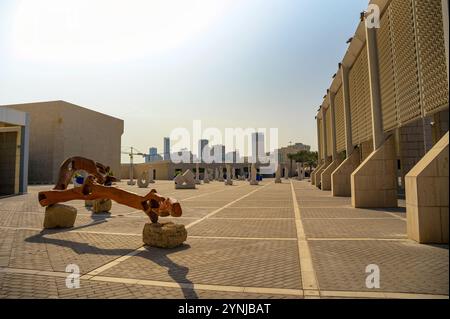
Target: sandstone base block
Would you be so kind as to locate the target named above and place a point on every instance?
(374, 182)
(102, 206)
(427, 196)
(164, 234)
(59, 216)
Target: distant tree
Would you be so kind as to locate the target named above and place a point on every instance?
(305, 157)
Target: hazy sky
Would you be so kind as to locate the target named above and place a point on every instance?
(160, 64)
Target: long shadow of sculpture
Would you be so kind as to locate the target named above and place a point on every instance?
(77, 247)
(177, 272)
(157, 255)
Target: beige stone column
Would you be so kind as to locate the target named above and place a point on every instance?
(341, 175)
(319, 153)
(347, 117)
(326, 173)
(324, 134)
(374, 182)
(331, 96)
(375, 95)
(326, 162)
(319, 144)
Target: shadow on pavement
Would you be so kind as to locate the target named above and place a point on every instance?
(177, 272)
(157, 255)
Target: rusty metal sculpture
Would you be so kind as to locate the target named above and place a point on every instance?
(97, 185)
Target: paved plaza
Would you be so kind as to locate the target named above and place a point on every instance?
(286, 240)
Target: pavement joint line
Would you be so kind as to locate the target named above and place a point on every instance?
(255, 218)
(193, 286)
(133, 212)
(115, 262)
(322, 207)
(25, 271)
(190, 236)
(259, 207)
(168, 284)
(396, 216)
(225, 206)
(243, 238)
(349, 218)
(71, 231)
(103, 233)
(358, 239)
(209, 193)
(262, 290)
(308, 275)
(384, 295)
(145, 216)
(324, 198)
(21, 228)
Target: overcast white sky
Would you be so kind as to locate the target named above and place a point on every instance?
(160, 64)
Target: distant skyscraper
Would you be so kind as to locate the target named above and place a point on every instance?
(218, 153)
(152, 151)
(152, 155)
(258, 146)
(166, 148)
(201, 145)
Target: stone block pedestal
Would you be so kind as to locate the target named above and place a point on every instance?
(164, 234)
(318, 174)
(59, 216)
(426, 190)
(340, 178)
(102, 206)
(374, 182)
(326, 175)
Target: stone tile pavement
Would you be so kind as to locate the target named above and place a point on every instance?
(243, 242)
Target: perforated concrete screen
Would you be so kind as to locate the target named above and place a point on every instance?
(405, 60)
(431, 55)
(360, 99)
(387, 79)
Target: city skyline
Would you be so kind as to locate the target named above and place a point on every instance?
(257, 148)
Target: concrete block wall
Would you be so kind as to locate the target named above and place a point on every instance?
(318, 174)
(427, 196)
(415, 140)
(59, 130)
(341, 176)
(326, 174)
(366, 148)
(373, 183)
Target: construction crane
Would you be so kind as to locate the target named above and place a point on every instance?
(131, 154)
